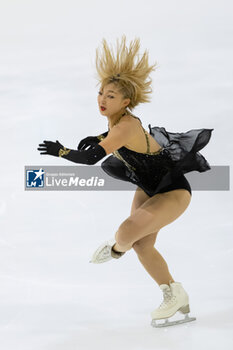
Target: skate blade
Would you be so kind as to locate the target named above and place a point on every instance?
(172, 323)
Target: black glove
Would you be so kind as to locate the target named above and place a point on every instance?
(51, 148)
(90, 156)
(91, 140)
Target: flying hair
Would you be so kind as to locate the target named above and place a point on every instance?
(130, 78)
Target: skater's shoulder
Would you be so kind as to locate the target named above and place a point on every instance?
(118, 136)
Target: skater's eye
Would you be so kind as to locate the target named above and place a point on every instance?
(100, 93)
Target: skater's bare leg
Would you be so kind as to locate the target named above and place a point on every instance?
(149, 257)
(155, 213)
(152, 260)
(139, 198)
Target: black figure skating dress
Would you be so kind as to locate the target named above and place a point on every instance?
(162, 171)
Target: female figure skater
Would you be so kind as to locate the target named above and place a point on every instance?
(154, 161)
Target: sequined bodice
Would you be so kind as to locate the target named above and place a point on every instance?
(150, 165)
(146, 167)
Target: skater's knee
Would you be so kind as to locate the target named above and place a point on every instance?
(145, 244)
(142, 249)
(125, 234)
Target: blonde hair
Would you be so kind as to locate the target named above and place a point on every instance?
(127, 76)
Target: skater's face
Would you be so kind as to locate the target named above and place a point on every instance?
(113, 101)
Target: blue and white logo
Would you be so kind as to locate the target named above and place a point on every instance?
(35, 178)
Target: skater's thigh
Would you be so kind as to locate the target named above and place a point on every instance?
(149, 241)
(158, 211)
(155, 213)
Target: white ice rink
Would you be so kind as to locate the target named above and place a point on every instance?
(51, 297)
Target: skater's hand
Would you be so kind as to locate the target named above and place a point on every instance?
(51, 148)
(88, 141)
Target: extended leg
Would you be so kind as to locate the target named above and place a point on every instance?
(150, 258)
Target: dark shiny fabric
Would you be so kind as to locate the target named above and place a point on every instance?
(90, 156)
(163, 171)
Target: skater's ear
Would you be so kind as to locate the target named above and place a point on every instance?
(118, 136)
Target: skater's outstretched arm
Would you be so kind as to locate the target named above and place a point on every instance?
(117, 137)
(90, 156)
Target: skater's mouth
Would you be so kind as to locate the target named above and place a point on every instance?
(102, 108)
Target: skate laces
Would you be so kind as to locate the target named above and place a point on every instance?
(168, 298)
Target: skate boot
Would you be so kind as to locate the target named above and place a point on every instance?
(105, 252)
(175, 299)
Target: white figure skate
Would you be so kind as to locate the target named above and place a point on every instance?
(105, 253)
(175, 299)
